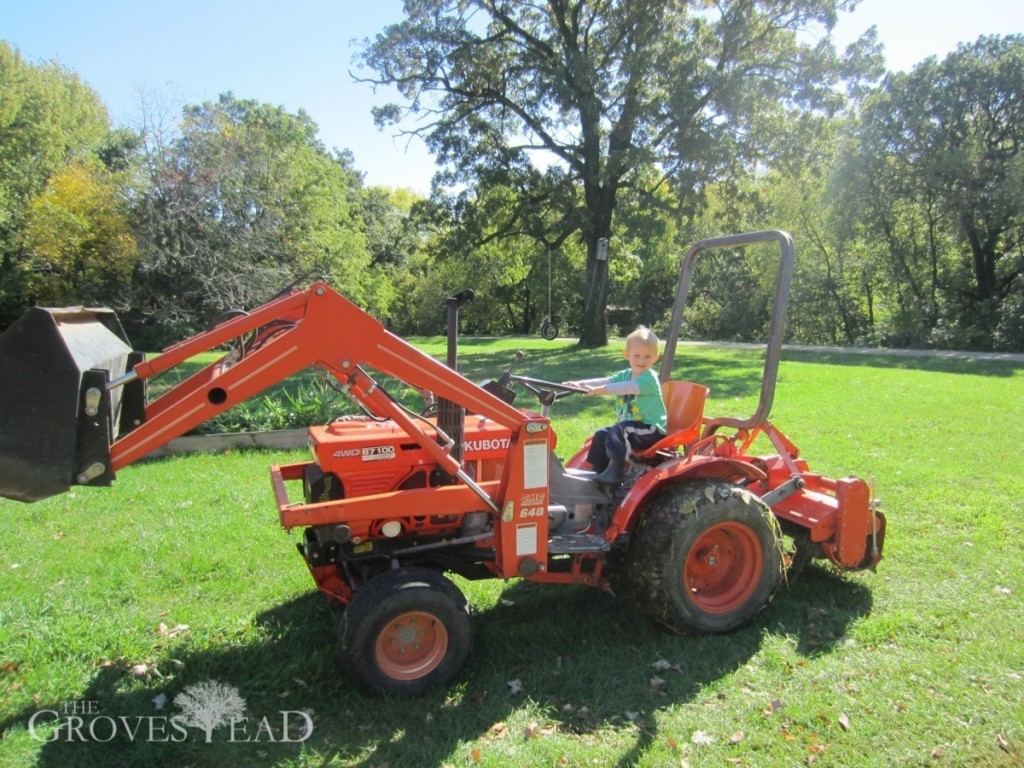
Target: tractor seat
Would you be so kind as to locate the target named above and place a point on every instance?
(684, 402)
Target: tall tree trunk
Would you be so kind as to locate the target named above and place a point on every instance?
(594, 332)
(601, 204)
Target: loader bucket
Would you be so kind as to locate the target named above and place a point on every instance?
(57, 419)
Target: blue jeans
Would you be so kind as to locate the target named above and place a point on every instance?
(616, 442)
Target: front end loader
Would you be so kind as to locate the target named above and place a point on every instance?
(392, 501)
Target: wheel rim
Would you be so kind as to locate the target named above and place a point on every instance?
(723, 567)
(411, 645)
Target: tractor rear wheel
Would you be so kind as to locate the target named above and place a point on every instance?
(404, 632)
(705, 557)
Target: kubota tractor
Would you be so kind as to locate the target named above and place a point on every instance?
(392, 501)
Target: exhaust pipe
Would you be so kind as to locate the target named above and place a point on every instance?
(57, 416)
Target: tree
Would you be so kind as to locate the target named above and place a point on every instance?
(598, 90)
(819, 200)
(945, 146)
(391, 232)
(48, 118)
(79, 247)
(243, 201)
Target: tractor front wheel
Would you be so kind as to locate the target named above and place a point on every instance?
(404, 632)
(705, 557)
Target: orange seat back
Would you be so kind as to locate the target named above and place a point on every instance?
(684, 402)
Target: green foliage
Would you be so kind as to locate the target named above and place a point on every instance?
(243, 201)
(649, 123)
(942, 148)
(48, 118)
(602, 92)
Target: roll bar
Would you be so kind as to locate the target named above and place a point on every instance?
(776, 331)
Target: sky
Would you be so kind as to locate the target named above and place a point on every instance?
(298, 54)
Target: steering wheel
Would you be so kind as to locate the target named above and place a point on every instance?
(547, 391)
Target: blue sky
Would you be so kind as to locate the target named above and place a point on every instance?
(298, 55)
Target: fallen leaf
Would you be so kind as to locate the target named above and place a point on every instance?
(498, 729)
(139, 670)
(737, 737)
(515, 686)
(632, 716)
(844, 722)
(774, 706)
(661, 665)
(673, 744)
(702, 739)
(531, 731)
(1003, 742)
(476, 755)
(177, 629)
(657, 683)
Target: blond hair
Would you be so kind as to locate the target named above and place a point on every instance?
(643, 335)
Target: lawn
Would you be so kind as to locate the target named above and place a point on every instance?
(114, 602)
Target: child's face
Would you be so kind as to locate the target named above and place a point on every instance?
(641, 357)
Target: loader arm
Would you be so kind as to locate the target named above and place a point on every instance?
(314, 327)
(327, 331)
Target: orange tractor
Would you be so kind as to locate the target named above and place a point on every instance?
(393, 500)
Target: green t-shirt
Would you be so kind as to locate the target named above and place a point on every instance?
(648, 406)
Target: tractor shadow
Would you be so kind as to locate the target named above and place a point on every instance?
(571, 659)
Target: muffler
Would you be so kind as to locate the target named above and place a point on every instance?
(57, 417)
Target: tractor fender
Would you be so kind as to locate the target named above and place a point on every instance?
(674, 472)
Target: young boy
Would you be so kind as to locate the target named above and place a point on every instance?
(639, 409)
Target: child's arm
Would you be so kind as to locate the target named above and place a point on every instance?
(606, 386)
(593, 386)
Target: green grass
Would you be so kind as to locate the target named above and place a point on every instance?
(921, 663)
